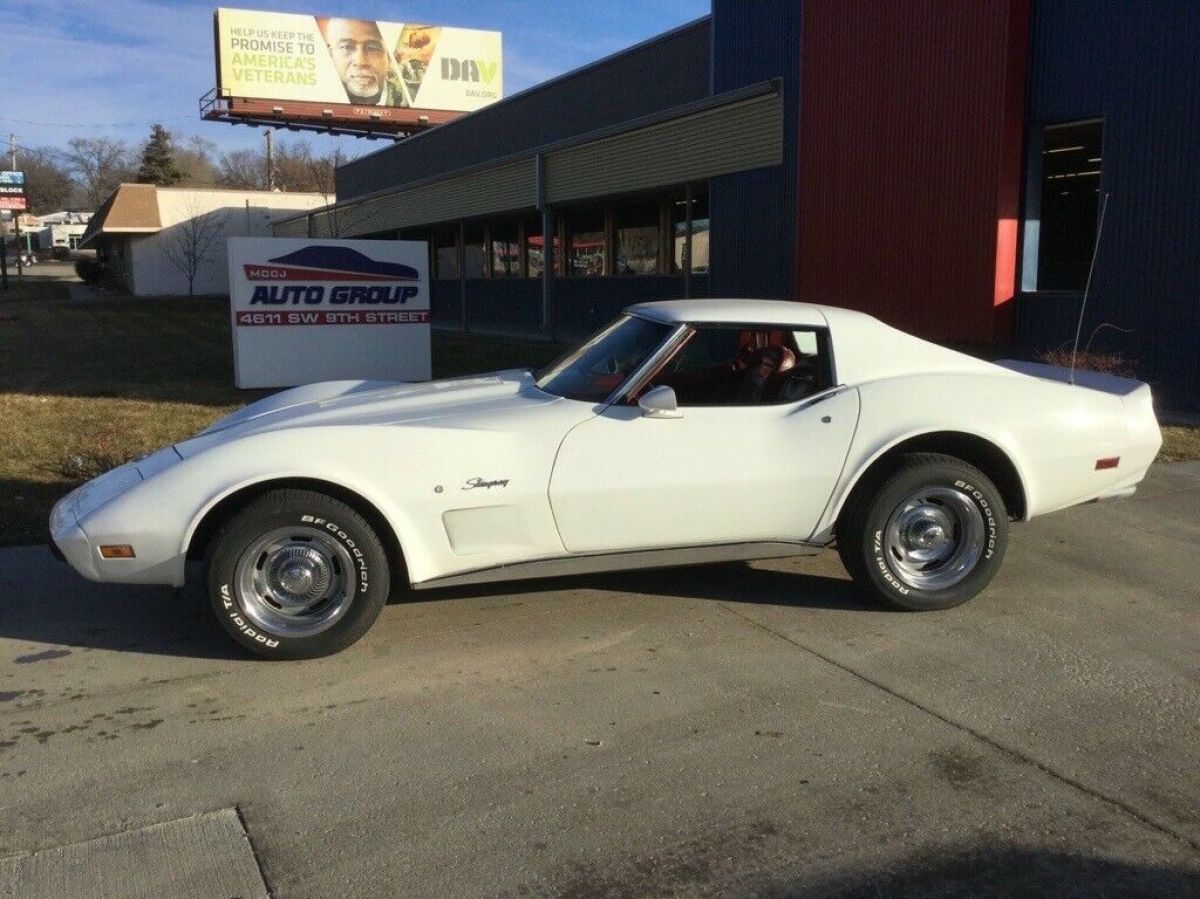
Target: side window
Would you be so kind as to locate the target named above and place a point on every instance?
(745, 366)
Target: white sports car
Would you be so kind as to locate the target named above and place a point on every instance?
(684, 432)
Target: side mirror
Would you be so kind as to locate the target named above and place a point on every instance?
(659, 402)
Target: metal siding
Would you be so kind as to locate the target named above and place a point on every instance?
(909, 160)
(1139, 69)
(745, 135)
(512, 302)
(445, 302)
(659, 74)
(507, 187)
(754, 213)
(297, 227)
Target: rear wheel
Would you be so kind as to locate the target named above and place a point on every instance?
(929, 533)
(297, 575)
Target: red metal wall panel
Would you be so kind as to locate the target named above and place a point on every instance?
(909, 163)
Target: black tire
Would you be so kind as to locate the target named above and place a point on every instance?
(950, 505)
(285, 542)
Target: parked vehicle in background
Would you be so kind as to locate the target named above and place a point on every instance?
(684, 432)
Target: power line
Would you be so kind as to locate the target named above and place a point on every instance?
(189, 118)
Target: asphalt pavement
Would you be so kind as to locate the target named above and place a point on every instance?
(735, 730)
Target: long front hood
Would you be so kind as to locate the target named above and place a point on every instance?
(366, 403)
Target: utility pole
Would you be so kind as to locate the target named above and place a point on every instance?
(12, 150)
(270, 160)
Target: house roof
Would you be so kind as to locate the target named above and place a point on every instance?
(148, 208)
(132, 209)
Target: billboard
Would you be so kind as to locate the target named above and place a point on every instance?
(339, 61)
(306, 310)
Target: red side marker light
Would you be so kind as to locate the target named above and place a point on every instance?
(1110, 462)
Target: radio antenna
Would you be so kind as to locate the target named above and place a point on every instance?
(1088, 286)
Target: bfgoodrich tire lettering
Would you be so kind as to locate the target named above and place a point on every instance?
(297, 574)
(929, 533)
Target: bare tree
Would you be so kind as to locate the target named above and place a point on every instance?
(243, 169)
(195, 155)
(49, 184)
(192, 244)
(321, 171)
(100, 165)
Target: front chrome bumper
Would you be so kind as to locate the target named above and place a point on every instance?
(68, 538)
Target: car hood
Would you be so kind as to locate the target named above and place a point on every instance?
(449, 403)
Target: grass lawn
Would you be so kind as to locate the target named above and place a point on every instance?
(86, 386)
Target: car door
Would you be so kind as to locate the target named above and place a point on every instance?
(738, 465)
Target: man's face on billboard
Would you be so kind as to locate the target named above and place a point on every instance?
(359, 57)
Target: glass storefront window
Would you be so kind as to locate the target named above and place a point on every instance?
(474, 252)
(1070, 204)
(637, 238)
(445, 253)
(700, 229)
(505, 253)
(585, 243)
(535, 249)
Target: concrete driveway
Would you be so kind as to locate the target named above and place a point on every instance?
(735, 730)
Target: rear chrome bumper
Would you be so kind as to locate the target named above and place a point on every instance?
(1117, 493)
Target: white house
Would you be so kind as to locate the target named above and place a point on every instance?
(62, 229)
(151, 237)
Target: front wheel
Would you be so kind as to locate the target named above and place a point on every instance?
(297, 575)
(929, 534)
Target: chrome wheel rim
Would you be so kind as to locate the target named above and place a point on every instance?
(295, 582)
(934, 538)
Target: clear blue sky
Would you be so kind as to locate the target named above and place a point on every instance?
(107, 67)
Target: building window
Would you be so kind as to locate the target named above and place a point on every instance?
(445, 253)
(535, 248)
(474, 251)
(637, 231)
(1070, 195)
(505, 255)
(700, 231)
(585, 242)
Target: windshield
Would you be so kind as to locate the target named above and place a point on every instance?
(594, 370)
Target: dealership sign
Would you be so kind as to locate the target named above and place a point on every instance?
(338, 61)
(326, 310)
(12, 191)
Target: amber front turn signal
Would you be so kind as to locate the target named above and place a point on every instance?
(119, 551)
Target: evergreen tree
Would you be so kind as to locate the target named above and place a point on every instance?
(158, 160)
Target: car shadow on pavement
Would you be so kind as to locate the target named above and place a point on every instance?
(43, 602)
(983, 873)
(733, 582)
(975, 871)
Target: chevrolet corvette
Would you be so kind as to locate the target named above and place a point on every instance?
(684, 432)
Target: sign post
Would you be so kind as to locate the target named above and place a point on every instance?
(308, 310)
